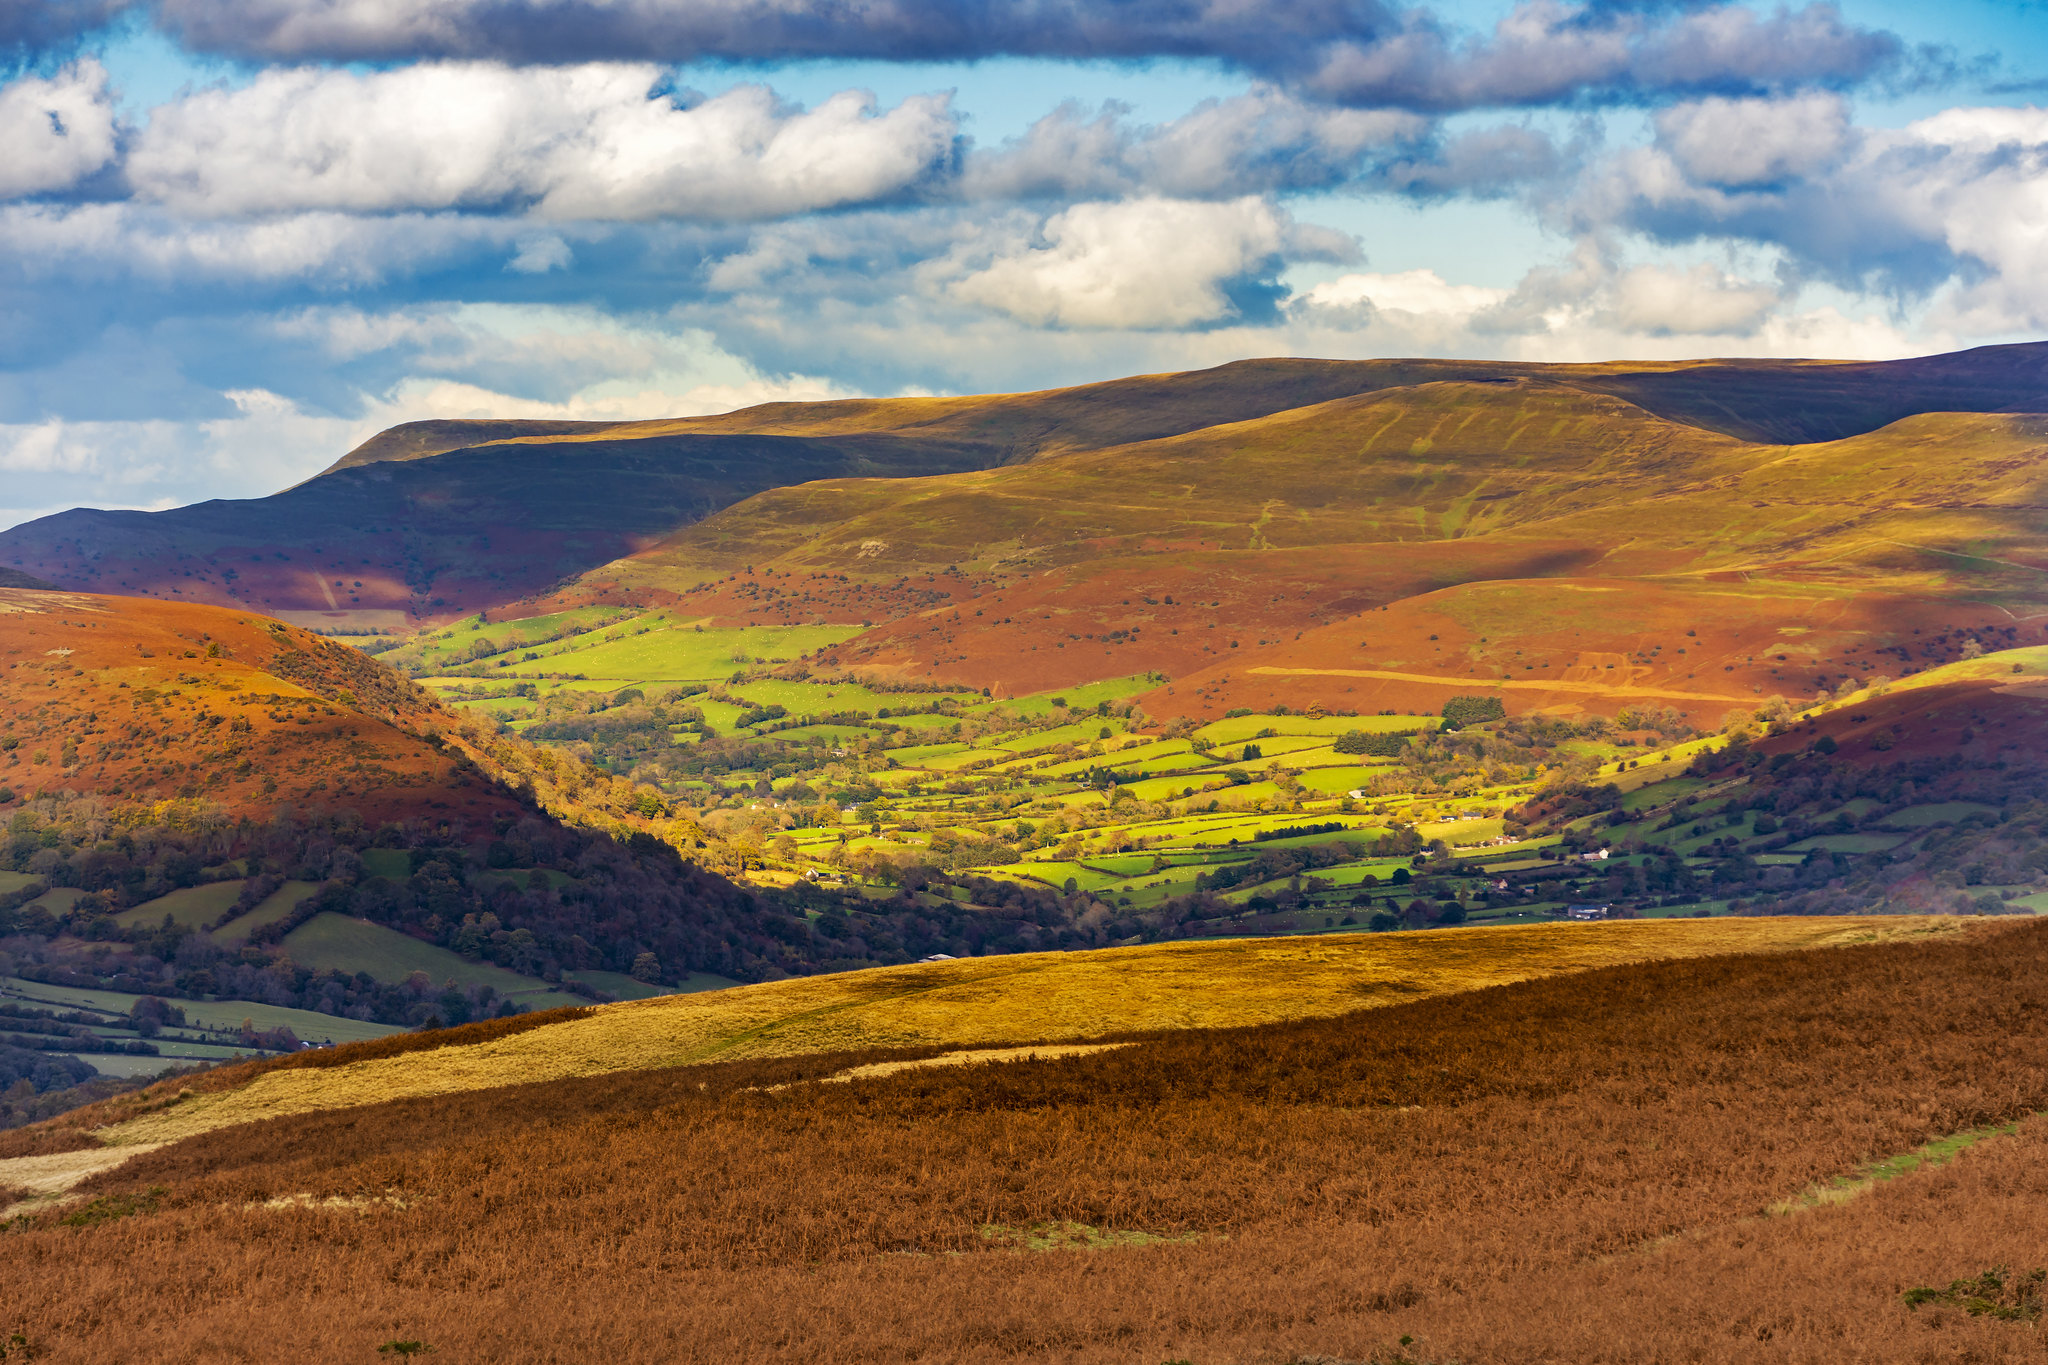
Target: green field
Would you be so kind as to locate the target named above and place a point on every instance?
(206, 1014)
(1029, 774)
(1239, 729)
(1944, 813)
(334, 942)
(269, 910)
(392, 864)
(622, 987)
(1846, 843)
(193, 906)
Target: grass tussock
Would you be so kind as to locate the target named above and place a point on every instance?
(1027, 998)
(1570, 1168)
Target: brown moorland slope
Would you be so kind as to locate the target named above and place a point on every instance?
(1570, 549)
(999, 1001)
(1675, 1160)
(432, 520)
(143, 701)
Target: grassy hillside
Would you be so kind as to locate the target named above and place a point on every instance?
(1391, 549)
(392, 535)
(1728, 1159)
(1005, 1001)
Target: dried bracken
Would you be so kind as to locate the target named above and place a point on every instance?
(1570, 1169)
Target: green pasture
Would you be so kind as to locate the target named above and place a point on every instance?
(837, 734)
(622, 987)
(310, 1025)
(1087, 697)
(932, 758)
(192, 907)
(1456, 832)
(1847, 843)
(438, 647)
(818, 699)
(128, 1068)
(1085, 731)
(392, 864)
(925, 722)
(674, 653)
(1336, 781)
(335, 942)
(1941, 813)
(1239, 729)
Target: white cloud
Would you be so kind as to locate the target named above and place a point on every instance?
(1700, 301)
(56, 130)
(565, 143)
(471, 362)
(104, 243)
(1955, 205)
(1140, 263)
(1423, 293)
(1261, 141)
(540, 255)
(1733, 143)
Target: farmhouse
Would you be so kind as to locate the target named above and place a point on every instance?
(1588, 911)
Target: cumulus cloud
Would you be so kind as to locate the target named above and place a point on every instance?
(574, 364)
(1734, 144)
(40, 25)
(1264, 141)
(1957, 201)
(1483, 163)
(105, 244)
(581, 142)
(753, 30)
(57, 130)
(1421, 293)
(1145, 263)
(1545, 52)
(1700, 301)
(1360, 52)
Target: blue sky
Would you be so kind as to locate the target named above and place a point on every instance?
(237, 236)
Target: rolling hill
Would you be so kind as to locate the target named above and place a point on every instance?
(1656, 1157)
(138, 701)
(1569, 549)
(431, 521)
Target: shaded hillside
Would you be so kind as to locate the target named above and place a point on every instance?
(1760, 400)
(429, 521)
(389, 544)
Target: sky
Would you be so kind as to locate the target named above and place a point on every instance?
(237, 237)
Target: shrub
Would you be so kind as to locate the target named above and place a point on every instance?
(1993, 1294)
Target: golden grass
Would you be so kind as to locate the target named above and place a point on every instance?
(980, 1056)
(1033, 997)
(46, 1179)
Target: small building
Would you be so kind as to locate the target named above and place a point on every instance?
(1598, 856)
(1587, 911)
